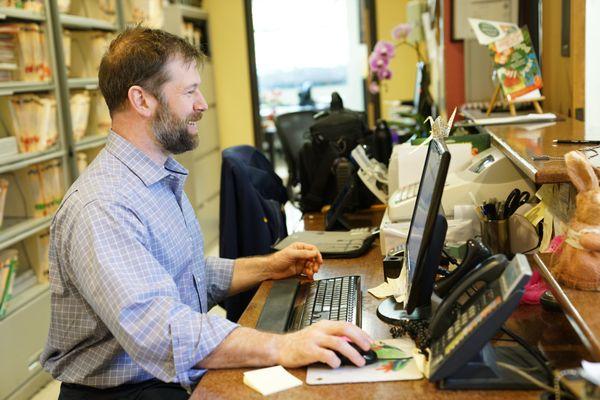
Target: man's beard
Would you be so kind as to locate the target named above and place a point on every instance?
(171, 132)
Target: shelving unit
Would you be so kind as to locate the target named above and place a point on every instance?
(24, 326)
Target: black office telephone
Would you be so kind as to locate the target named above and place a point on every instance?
(471, 314)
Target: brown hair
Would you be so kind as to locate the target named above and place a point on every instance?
(137, 56)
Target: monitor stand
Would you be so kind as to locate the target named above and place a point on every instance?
(392, 312)
(483, 372)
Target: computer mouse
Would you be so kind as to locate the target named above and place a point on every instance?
(370, 356)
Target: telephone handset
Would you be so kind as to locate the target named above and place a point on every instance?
(489, 271)
(476, 253)
(461, 356)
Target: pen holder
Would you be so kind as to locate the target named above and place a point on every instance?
(495, 235)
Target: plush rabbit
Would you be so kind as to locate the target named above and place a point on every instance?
(578, 265)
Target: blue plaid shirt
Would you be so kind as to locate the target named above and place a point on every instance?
(129, 283)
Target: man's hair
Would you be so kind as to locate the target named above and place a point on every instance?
(138, 56)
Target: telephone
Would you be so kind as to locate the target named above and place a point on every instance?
(373, 173)
(470, 315)
(490, 174)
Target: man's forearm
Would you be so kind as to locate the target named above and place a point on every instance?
(249, 272)
(244, 347)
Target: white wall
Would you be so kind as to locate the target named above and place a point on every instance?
(592, 66)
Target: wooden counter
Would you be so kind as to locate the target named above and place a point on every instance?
(550, 331)
(522, 146)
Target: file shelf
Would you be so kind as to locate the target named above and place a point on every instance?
(14, 230)
(85, 23)
(83, 83)
(89, 142)
(10, 88)
(23, 160)
(24, 15)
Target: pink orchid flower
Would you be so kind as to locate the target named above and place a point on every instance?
(401, 31)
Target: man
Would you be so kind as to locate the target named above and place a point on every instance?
(130, 286)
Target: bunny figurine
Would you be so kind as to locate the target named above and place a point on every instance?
(578, 265)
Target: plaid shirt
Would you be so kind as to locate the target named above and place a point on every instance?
(129, 283)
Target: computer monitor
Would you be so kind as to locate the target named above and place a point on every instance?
(425, 239)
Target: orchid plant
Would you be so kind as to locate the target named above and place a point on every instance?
(384, 51)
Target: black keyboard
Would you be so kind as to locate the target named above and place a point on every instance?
(336, 299)
(291, 306)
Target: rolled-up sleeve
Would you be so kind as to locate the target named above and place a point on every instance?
(219, 273)
(137, 299)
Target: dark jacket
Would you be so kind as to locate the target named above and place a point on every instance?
(251, 211)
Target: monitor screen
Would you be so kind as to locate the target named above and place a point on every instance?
(425, 214)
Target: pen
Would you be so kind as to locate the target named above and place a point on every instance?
(569, 141)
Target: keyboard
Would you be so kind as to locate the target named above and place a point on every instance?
(336, 299)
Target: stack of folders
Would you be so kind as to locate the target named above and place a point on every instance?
(42, 184)
(8, 266)
(63, 6)
(23, 53)
(87, 48)
(191, 33)
(80, 111)
(3, 192)
(29, 5)
(148, 12)
(32, 120)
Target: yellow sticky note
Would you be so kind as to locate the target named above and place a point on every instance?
(270, 380)
(536, 214)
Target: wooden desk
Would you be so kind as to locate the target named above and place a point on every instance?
(520, 145)
(549, 330)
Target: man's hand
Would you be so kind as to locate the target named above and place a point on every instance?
(298, 258)
(317, 343)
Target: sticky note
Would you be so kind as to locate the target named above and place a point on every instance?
(270, 380)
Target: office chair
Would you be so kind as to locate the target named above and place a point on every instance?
(251, 212)
(292, 129)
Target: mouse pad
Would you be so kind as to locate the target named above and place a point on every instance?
(395, 364)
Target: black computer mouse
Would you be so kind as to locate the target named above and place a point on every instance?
(370, 356)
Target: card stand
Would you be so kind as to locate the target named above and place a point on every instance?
(87, 49)
(148, 12)
(105, 10)
(511, 102)
(31, 119)
(80, 112)
(37, 190)
(37, 247)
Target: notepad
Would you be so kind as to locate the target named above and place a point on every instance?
(270, 380)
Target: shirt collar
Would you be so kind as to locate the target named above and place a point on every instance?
(139, 163)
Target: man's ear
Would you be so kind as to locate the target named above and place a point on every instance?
(142, 101)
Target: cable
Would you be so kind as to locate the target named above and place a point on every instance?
(531, 350)
(525, 375)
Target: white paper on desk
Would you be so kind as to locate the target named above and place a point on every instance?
(400, 285)
(380, 371)
(270, 380)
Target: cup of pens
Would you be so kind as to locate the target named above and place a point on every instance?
(494, 215)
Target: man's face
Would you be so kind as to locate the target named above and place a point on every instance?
(180, 107)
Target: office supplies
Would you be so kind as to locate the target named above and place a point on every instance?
(571, 141)
(340, 244)
(400, 366)
(515, 199)
(461, 357)
(270, 380)
(291, 306)
(490, 174)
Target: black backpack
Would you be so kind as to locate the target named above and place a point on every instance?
(324, 161)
